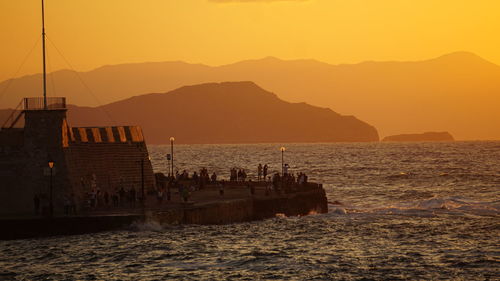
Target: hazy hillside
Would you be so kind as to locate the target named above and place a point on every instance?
(459, 92)
(427, 136)
(235, 112)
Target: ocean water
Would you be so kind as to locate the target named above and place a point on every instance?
(398, 211)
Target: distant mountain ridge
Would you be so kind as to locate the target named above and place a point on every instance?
(230, 112)
(458, 92)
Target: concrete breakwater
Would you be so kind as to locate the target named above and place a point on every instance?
(215, 212)
(246, 209)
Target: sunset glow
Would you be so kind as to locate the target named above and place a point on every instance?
(95, 33)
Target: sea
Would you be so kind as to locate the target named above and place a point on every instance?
(397, 211)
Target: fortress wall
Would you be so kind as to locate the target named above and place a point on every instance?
(11, 139)
(25, 169)
(16, 194)
(106, 158)
(102, 157)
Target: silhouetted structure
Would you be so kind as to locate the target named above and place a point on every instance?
(85, 159)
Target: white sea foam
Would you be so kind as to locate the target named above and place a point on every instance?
(339, 211)
(451, 204)
(149, 225)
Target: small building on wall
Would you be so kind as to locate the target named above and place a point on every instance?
(99, 159)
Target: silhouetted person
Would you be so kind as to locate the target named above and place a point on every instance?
(221, 188)
(106, 198)
(251, 187)
(72, 208)
(36, 203)
(170, 185)
(269, 187)
(264, 171)
(214, 177)
(243, 175)
(259, 172)
(160, 196)
(185, 194)
(66, 204)
(114, 198)
(239, 175)
(93, 198)
(132, 196)
(195, 177)
(122, 196)
(233, 174)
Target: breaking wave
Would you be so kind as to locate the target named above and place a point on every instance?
(442, 205)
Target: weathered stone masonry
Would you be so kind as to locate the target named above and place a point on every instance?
(106, 158)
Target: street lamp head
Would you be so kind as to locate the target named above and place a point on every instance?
(51, 164)
(282, 148)
(172, 138)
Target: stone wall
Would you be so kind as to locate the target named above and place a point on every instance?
(108, 167)
(242, 210)
(294, 204)
(221, 212)
(106, 159)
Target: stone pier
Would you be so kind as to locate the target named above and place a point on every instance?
(240, 207)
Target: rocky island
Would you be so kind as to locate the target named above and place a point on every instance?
(427, 136)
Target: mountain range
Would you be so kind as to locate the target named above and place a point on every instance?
(458, 92)
(230, 112)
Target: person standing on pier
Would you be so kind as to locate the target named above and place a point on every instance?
(185, 194)
(243, 175)
(221, 188)
(122, 196)
(159, 196)
(36, 202)
(259, 172)
(195, 177)
(265, 171)
(132, 197)
(251, 187)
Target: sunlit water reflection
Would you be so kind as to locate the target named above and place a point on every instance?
(406, 211)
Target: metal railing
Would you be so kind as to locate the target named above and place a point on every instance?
(37, 103)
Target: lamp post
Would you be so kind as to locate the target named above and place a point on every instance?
(51, 205)
(282, 168)
(172, 153)
(143, 200)
(143, 195)
(168, 163)
(282, 162)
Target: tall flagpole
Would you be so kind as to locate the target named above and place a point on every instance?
(44, 68)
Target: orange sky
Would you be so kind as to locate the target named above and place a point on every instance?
(91, 33)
